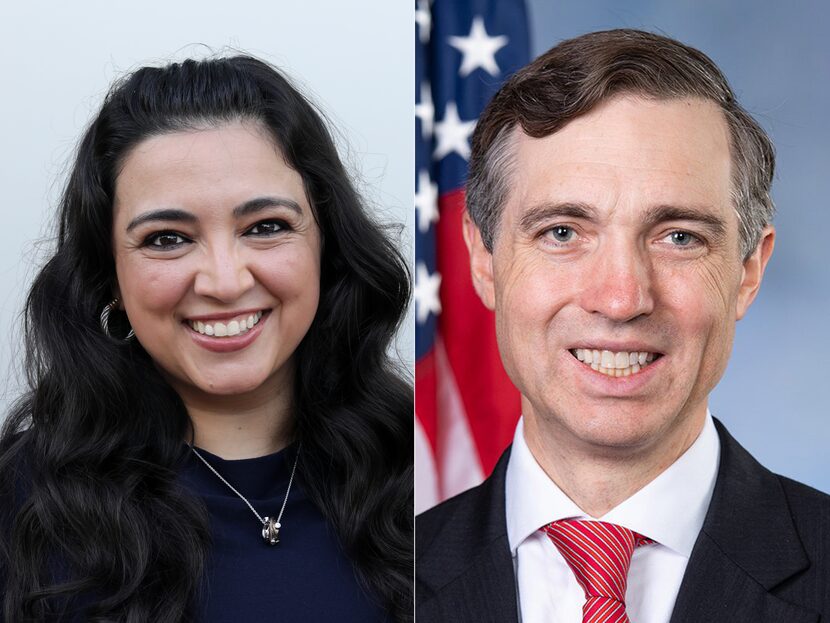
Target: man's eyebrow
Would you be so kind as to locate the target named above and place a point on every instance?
(663, 213)
(545, 212)
(181, 216)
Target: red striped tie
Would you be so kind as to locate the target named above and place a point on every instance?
(599, 554)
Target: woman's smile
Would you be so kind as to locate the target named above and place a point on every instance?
(226, 324)
(224, 337)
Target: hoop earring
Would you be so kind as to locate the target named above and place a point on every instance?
(105, 317)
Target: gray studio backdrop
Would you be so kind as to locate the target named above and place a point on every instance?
(57, 59)
(776, 55)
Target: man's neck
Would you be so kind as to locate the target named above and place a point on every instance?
(599, 479)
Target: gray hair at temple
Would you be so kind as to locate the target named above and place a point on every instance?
(572, 78)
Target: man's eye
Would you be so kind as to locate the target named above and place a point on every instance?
(266, 228)
(561, 233)
(683, 239)
(164, 240)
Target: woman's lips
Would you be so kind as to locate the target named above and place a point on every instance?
(230, 327)
(229, 336)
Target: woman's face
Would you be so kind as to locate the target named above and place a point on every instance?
(217, 255)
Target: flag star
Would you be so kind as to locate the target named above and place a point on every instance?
(424, 20)
(425, 111)
(426, 293)
(453, 134)
(426, 201)
(479, 49)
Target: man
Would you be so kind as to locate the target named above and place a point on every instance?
(619, 224)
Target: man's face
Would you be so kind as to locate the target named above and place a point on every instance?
(619, 239)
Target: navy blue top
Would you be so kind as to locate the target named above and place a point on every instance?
(305, 577)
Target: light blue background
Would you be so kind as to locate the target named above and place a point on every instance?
(773, 397)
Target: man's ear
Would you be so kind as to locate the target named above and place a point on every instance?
(753, 271)
(481, 262)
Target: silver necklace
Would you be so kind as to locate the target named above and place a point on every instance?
(270, 526)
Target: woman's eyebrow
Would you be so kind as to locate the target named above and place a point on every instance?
(244, 209)
(260, 203)
(167, 214)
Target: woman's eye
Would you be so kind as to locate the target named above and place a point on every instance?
(164, 240)
(266, 228)
(561, 233)
(683, 239)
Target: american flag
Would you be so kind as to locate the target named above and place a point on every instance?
(466, 408)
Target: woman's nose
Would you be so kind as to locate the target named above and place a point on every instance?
(224, 276)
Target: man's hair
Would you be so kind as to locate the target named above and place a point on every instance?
(574, 77)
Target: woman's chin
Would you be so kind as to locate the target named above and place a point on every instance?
(230, 388)
(226, 386)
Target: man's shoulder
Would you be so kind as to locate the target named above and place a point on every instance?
(464, 571)
(746, 485)
(810, 510)
(765, 531)
(447, 521)
(801, 494)
(451, 535)
(450, 522)
(750, 477)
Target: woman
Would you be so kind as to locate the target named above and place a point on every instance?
(214, 428)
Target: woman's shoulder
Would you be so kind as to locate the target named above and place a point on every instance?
(16, 450)
(16, 471)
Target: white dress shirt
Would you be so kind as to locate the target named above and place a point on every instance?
(670, 510)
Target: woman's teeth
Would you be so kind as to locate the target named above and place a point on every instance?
(621, 363)
(222, 329)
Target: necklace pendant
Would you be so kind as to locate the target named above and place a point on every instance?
(271, 531)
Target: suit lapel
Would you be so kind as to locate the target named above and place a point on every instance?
(748, 546)
(483, 584)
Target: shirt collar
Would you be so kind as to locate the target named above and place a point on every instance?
(670, 509)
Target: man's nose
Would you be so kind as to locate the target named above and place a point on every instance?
(224, 274)
(618, 284)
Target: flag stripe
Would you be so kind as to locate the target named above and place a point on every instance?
(464, 50)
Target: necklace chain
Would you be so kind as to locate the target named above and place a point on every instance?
(262, 520)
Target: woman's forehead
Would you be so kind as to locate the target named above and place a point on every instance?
(223, 165)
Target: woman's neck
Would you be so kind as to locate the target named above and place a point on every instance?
(242, 426)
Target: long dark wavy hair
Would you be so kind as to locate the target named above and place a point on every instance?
(89, 457)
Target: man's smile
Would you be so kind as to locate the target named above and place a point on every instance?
(615, 363)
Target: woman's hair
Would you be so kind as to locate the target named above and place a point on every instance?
(90, 452)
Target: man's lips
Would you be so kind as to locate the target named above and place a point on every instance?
(615, 363)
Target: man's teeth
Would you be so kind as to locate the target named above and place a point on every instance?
(623, 363)
(221, 329)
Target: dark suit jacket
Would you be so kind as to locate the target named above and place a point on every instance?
(762, 556)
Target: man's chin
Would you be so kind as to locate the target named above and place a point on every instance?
(605, 427)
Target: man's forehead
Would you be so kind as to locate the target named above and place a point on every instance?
(629, 149)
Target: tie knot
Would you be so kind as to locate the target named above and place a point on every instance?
(598, 553)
